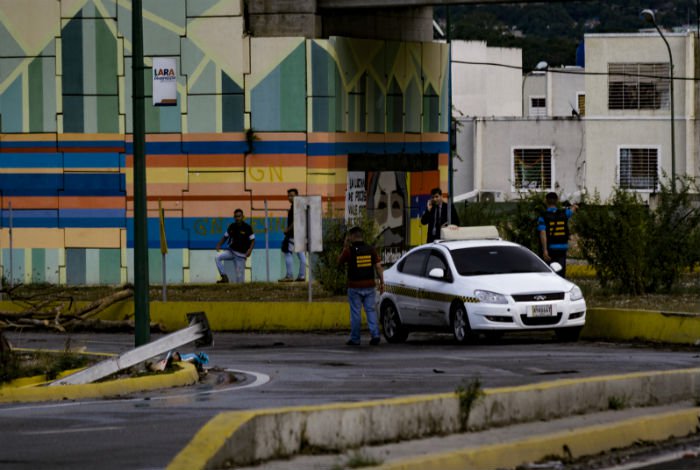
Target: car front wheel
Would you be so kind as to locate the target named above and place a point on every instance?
(459, 321)
(393, 330)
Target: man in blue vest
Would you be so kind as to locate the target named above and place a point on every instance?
(362, 260)
(553, 228)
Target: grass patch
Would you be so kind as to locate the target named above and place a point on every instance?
(468, 393)
(21, 364)
(617, 403)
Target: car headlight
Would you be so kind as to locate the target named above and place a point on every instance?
(489, 297)
(575, 293)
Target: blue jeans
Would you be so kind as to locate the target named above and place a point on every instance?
(238, 264)
(289, 262)
(357, 298)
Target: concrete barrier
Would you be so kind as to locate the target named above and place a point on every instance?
(28, 391)
(589, 440)
(601, 323)
(244, 438)
(642, 325)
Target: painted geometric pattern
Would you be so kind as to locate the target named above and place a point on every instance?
(254, 116)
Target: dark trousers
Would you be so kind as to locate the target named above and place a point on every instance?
(558, 256)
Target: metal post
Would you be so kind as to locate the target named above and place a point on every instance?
(450, 198)
(267, 244)
(141, 306)
(165, 284)
(2, 265)
(651, 17)
(12, 280)
(673, 114)
(307, 247)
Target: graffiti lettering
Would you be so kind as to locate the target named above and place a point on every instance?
(208, 226)
(270, 174)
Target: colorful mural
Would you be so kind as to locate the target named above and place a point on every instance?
(255, 116)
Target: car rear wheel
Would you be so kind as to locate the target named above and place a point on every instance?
(459, 321)
(568, 334)
(393, 330)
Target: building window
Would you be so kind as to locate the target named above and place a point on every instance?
(639, 86)
(581, 103)
(639, 169)
(538, 106)
(532, 169)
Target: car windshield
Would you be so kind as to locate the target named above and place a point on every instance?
(486, 260)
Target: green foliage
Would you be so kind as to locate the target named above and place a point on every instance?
(551, 31)
(468, 394)
(636, 248)
(521, 224)
(610, 239)
(474, 214)
(50, 365)
(9, 363)
(332, 277)
(617, 403)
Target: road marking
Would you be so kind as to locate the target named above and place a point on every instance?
(66, 431)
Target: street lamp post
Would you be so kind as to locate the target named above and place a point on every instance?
(540, 67)
(649, 16)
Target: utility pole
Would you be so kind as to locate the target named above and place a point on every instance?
(141, 306)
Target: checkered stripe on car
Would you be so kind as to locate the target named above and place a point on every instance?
(424, 294)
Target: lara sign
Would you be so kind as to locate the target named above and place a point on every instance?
(164, 81)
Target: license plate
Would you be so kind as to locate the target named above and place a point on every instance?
(541, 310)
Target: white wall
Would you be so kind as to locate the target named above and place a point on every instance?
(485, 90)
(607, 130)
(495, 139)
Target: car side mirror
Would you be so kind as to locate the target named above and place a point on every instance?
(437, 273)
(556, 267)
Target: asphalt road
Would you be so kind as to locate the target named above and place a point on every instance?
(146, 431)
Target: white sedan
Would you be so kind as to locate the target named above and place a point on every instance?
(477, 283)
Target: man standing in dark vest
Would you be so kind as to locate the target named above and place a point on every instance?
(435, 216)
(553, 228)
(362, 261)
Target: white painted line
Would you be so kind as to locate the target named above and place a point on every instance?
(66, 431)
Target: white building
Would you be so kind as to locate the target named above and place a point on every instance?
(577, 130)
(628, 110)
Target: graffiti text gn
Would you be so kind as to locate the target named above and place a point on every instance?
(268, 174)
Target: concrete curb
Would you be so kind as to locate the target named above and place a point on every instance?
(187, 375)
(245, 438)
(644, 325)
(581, 442)
(601, 323)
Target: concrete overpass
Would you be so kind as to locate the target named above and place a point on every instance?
(328, 4)
(398, 20)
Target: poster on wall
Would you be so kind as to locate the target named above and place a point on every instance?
(164, 81)
(355, 196)
(387, 203)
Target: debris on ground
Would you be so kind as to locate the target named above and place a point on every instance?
(55, 309)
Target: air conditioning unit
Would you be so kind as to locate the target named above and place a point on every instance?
(490, 196)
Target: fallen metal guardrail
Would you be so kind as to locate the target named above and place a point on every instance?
(198, 331)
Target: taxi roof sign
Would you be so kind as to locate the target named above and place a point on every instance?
(453, 232)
